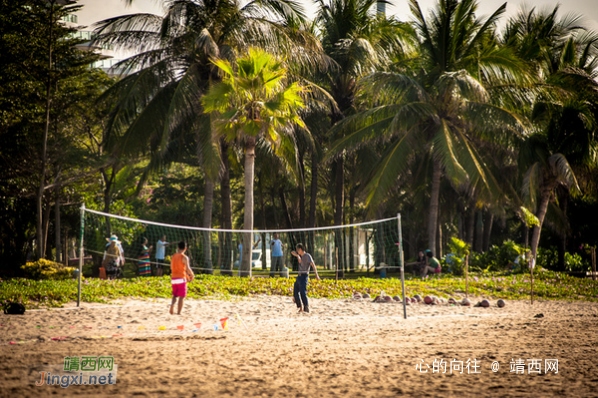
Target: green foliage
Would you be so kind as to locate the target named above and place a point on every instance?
(28, 29)
(548, 258)
(460, 250)
(47, 270)
(254, 98)
(171, 197)
(547, 285)
(497, 258)
(529, 218)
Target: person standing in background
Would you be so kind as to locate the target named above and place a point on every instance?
(277, 256)
(144, 259)
(160, 255)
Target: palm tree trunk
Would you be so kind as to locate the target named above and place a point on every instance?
(313, 198)
(260, 188)
(248, 216)
(108, 182)
(264, 252)
(57, 227)
(208, 202)
(314, 190)
(352, 231)
(302, 191)
(338, 212)
(562, 248)
(461, 225)
(439, 240)
(273, 198)
(226, 212)
(487, 230)
(479, 232)
(471, 224)
(433, 212)
(285, 208)
(541, 214)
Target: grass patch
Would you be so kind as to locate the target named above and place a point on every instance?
(55, 293)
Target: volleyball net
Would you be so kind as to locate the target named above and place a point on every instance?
(373, 247)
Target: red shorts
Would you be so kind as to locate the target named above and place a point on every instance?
(179, 290)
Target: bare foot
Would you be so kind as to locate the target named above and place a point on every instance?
(171, 310)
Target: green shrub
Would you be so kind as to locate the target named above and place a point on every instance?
(46, 269)
(549, 258)
(497, 258)
(456, 262)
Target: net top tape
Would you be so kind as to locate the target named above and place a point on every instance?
(146, 222)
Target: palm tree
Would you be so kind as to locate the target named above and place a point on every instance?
(565, 56)
(159, 101)
(253, 101)
(440, 106)
(544, 170)
(360, 42)
(566, 129)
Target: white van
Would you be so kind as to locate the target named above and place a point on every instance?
(256, 257)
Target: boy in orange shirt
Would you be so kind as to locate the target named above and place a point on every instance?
(181, 273)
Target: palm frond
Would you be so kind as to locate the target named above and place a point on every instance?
(462, 84)
(531, 185)
(444, 149)
(562, 170)
(392, 163)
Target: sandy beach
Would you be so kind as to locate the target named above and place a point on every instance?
(343, 348)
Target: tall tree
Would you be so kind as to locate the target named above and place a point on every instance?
(34, 71)
(160, 100)
(564, 55)
(254, 101)
(436, 106)
(360, 42)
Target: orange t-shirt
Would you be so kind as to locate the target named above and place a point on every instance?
(177, 267)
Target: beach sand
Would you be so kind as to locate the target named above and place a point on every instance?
(343, 348)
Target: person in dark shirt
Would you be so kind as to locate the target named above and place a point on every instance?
(300, 288)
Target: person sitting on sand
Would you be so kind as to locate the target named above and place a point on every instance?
(300, 287)
(419, 264)
(433, 264)
(181, 273)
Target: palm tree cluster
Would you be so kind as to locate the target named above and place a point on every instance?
(444, 117)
